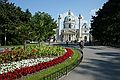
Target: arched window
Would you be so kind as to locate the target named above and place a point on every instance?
(69, 19)
(69, 38)
(69, 25)
(85, 38)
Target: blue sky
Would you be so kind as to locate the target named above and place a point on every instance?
(56, 7)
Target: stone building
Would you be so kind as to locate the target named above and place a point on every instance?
(69, 32)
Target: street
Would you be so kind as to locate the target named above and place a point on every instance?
(99, 63)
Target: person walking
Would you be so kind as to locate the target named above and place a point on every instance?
(81, 44)
(67, 42)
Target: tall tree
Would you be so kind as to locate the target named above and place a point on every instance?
(105, 26)
(12, 19)
(17, 26)
(43, 24)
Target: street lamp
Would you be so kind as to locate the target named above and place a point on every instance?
(4, 30)
(5, 36)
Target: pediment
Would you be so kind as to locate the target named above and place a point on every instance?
(69, 31)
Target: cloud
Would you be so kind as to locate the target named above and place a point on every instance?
(93, 12)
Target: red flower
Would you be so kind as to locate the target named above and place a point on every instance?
(17, 73)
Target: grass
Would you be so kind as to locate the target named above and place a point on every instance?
(51, 70)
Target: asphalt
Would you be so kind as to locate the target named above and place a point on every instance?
(99, 63)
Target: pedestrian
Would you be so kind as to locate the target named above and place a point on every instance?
(81, 44)
(67, 42)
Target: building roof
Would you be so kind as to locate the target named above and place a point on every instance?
(69, 17)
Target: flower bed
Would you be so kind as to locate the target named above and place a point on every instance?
(6, 67)
(32, 51)
(17, 73)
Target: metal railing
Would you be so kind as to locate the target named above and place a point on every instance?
(63, 71)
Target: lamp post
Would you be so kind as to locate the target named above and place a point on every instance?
(5, 36)
(4, 31)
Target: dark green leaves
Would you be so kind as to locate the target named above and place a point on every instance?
(105, 27)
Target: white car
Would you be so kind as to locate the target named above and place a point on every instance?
(1, 50)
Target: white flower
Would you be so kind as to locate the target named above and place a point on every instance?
(4, 68)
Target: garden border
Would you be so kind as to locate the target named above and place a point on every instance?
(63, 71)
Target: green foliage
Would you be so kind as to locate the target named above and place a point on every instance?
(18, 26)
(43, 24)
(43, 50)
(11, 20)
(33, 51)
(105, 26)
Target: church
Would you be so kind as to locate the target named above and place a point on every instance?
(69, 31)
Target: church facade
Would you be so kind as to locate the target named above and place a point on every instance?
(69, 32)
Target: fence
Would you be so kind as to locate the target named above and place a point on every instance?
(63, 71)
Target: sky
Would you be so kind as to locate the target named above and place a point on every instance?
(55, 7)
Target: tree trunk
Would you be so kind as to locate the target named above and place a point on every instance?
(49, 41)
(24, 46)
(39, 43)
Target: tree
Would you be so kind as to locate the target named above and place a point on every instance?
(24, 30)
(43, 24)
(12, 21)
(105, 25)
(17, 26)
(7, 21)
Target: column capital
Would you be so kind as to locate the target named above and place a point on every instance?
(80, 17)
(59, 17)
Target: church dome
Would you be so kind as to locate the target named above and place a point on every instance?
(69, 17)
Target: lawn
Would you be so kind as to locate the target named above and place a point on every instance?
(71, 62)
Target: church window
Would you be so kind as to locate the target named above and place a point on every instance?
(85, 38)
(69, 25)
(69, 38)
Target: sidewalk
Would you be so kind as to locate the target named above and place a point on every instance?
(99, 63)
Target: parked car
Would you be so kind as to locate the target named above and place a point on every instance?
(1, 50)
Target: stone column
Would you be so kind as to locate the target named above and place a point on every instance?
(72, 37)
(58, 28)
(64, 37)
(67, 37)
(79, 35)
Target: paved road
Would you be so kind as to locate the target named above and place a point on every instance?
(99, 63)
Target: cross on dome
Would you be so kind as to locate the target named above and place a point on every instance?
(69, 12)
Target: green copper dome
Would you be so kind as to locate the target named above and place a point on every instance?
(69, 17)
